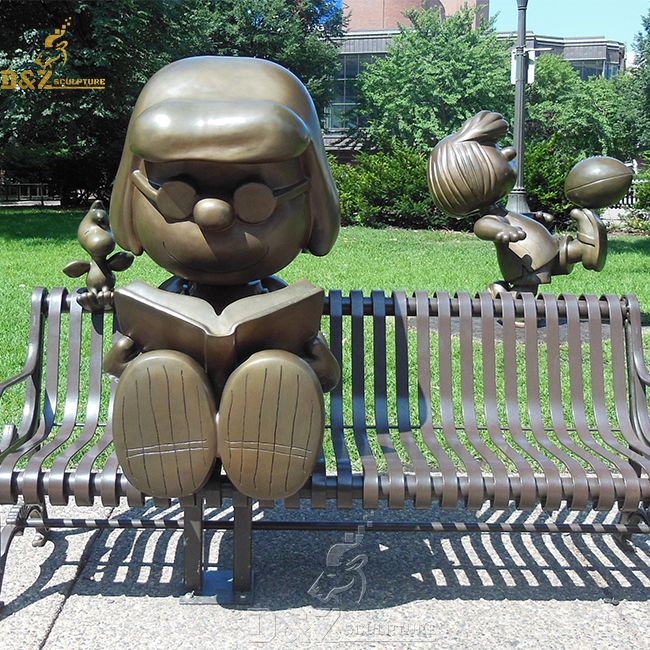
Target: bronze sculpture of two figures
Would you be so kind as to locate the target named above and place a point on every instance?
(223, 182)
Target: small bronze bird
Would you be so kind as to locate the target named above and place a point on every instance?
(95, 236)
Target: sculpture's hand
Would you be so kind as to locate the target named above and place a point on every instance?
(544, 217)
(510, 234)
(322, 362)
(117, 358)
(96, 299)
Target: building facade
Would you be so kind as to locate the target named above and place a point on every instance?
(374, 23)
(366, 15)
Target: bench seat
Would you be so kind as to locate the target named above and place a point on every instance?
(443, 400)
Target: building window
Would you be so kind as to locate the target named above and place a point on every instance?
(589, 68)
(611, 69)
(339, 114)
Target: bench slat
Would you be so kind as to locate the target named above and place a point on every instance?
(97, 324)
(607, 494)
(71, 405)
(475, 496)
(395, 479)
(599, 400)
(620, 386)
(470, 424)
(528, 494)
(449, 494)
(553, 496)
(343, 465)
(360, 430)
(416, 457)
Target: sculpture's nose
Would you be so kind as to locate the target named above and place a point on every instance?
(213, 213)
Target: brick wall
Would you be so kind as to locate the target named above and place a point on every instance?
(367, 15)
(452, 6)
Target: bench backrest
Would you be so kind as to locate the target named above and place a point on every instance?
(451, 384)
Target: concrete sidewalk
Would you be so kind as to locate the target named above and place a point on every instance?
(120, 588)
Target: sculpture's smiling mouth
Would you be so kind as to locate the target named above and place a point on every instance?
(221, 267)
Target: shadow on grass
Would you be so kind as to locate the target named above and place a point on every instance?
(39, 223)
(640, 245)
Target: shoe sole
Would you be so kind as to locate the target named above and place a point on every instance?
(270, 425)
(164, 421)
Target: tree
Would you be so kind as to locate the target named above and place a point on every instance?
(74, 139)
(435, 75)
(615, 101)
(584, 116)
(570, 119)
(641, 83)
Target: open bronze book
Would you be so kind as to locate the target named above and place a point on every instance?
(158, 320)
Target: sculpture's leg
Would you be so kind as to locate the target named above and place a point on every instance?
(271, 424)
(164, 424)
(590, 247)
(624, 540)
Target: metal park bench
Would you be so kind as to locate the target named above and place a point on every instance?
(444, 400)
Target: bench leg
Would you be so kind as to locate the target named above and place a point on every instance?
(624, 541)
(193, 546)
(224, 586)
(242, 578)
(15, 525)
(42, 533)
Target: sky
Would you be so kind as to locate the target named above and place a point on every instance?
(619, 20)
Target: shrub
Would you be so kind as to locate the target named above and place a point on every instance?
(546, 167)
(635, 220)
(642, 191)
(388, 189)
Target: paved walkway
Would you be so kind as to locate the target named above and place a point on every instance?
(120, 588)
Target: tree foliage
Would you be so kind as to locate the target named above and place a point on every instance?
(547, 164)
(435, 75)
(641, 84)
(570, 119)
(74, 139)
(584, 116)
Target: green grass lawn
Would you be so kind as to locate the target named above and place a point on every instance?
(36, 244)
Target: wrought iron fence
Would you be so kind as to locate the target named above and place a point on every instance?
(629, 200)
(23, 192)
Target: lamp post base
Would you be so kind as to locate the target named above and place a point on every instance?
(517, 201)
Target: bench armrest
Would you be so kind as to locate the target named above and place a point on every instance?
(31, 374)
(34, 345)
(636, 342)
(27, 371)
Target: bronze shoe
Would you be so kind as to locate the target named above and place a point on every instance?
(164, 424)
(270, 424)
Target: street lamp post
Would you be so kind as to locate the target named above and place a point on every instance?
(517, 201)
